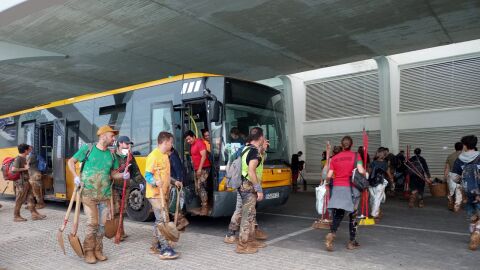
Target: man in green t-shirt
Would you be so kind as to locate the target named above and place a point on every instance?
(98, 170)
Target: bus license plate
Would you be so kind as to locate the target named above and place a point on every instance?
(274, 195)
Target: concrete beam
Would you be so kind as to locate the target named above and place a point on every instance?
(12, 53)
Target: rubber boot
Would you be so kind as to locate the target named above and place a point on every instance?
(89, 249)
(474, 240)
(412, 199)
(329, 240)
(260, 234)
(16, 213)
(99, 249)
(244, 248)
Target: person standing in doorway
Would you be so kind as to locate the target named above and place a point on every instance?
(201, 165)
(99, 165)
(23, 187)
(454, 188)
(206, 140)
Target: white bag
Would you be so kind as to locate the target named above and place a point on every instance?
(320, 192)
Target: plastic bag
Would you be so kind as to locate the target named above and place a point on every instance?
(320, 192)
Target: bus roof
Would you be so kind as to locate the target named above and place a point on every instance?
(111, 92)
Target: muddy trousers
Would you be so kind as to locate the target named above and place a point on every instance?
(247, 221)
(23, 194)
(37, 187)
(159, 240)
(234, 225)
(97, 212)
(201, 186)
(338, 215)
(454, 191)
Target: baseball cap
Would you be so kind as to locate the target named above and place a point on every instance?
(105, 129)
(124, 139)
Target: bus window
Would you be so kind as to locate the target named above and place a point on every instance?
(161, 121)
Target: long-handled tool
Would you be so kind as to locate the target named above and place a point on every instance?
(118, 235)
(365, 201)
(65, 221)
(111, 224)
(72, 237)
(168, 229)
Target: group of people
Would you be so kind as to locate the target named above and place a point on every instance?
(462, 171)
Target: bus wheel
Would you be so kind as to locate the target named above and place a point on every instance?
(138, 207)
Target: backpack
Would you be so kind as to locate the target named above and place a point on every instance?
(234, 170)
(42, 163)
(377, 175)
(471, 178)
(6, 169)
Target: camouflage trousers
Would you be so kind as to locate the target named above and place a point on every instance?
(97, 212)
(234, 225)
(117, 202)
(247, 220)
(201, 185)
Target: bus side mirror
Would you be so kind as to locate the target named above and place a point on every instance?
(214, 110)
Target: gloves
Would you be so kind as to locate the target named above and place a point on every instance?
(77, 181)
(126, 175)
(141, 186)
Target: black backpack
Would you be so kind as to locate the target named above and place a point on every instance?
(377, 175)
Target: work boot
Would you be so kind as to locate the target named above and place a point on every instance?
(351, 245)
(89, 245)
(421, 204)
(474, 241)
(260, 234)
(16, 213)
(451, 203)
(244, 248)
(232, 239)
(329, 239)
(99, 249)
(204, 209)
(411, 201)
(256, 244)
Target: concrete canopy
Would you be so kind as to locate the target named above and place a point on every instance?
(114, 43)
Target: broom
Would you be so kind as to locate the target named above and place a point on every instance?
(366, 221)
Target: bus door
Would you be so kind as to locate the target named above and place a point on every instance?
(58, 157)
(194, 119)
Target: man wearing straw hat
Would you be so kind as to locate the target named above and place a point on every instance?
(98, 169)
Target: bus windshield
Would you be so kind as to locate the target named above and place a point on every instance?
(249, 105)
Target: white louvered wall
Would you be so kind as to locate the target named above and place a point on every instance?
(315, 145)
(444, 85)
(433, 141)
(355, 95)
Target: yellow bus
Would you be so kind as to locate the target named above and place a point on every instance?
(176, 104)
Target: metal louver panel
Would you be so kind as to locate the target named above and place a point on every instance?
(315, 145)
(436, 143)
(355, 95)
(445, 85)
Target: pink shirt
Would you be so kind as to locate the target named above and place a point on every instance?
(342, 166)
(195, 149)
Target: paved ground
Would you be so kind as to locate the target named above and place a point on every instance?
(429, 238)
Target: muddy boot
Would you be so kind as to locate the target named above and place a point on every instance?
(89, 249)
(230, 238)
(450, 204)
(351, 245)
(204, 209)
(421, 204)
(16, 213)
(412, 199)
(329, 239)
(260, 234)
(155, 248)
(255, 244)
(99, 249)
(474, 240)
(244, 248)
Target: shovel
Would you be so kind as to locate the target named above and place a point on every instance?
(111, 224)
(65, 221)
(168, 229)
(72, 237)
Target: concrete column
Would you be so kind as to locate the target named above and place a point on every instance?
(389, 97)
(11, 52)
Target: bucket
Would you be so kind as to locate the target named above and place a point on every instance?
(438, 189)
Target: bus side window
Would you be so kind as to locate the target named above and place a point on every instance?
(161, 121)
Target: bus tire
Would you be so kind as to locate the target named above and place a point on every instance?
(138, 207)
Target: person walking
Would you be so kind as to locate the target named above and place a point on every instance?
(419, 174)
(23, 187)
(344, 196)
(98, 168)
(122, 151)
(177, 175)
(454, 188)
(378, 175)
(35, 179)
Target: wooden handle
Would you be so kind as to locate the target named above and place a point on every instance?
(77, 211)
(67, 215)
(179, 190)
(162, 202)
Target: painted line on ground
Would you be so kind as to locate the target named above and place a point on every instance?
(377, 225)
(286, 236)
